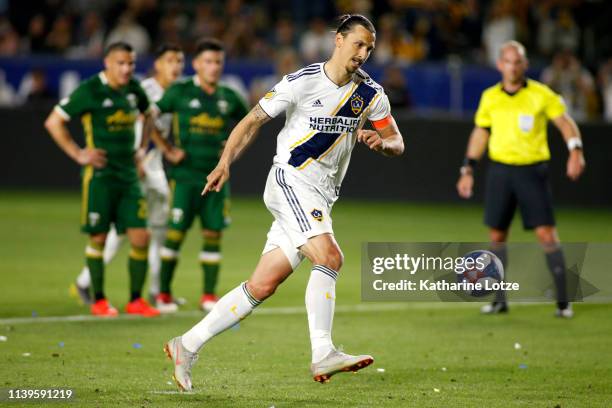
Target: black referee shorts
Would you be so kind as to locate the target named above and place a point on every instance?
(526, 186)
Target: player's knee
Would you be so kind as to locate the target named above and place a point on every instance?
(210, 234)
(98, 239)
(140, 239)
(333, 258)
(498, 236)
(547, 236)
(261, 290)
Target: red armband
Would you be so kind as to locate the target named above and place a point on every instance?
(382, 123)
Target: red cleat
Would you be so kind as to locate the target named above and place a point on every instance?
(208, 301)
(141, 307)
(103, 309)
(165, 304)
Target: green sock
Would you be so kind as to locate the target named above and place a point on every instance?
(169, 259)
(210, 259)
(137, 266)
(94, 255)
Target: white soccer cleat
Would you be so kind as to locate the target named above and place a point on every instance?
(208, 301)
(183, 360)
(566, 313)
(494, 308)
(165, 304)
(337, 362)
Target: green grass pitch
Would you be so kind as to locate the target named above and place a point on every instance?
(427, 355)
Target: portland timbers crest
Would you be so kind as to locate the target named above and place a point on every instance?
(356, 104)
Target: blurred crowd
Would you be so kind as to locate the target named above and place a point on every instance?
(570, 37)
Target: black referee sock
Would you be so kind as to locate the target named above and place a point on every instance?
(500, 251)
(556, 264)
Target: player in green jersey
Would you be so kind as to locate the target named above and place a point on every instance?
(204, 112)
(109, 105)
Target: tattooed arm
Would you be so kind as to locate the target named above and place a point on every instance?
(241, 136)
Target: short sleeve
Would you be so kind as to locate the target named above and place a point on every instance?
(483, 114)
(555, 106)
(380, 109)
(166, 103)
(76, 104)
(278, 99)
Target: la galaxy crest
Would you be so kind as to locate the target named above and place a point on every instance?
(356, 104)
(317, 215)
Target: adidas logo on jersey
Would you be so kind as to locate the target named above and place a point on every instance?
(317, 104)
(194, 104)
(107, 103)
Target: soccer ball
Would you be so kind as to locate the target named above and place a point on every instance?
(485, 269)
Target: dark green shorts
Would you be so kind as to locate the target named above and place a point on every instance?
(105, 202)
(187, 203)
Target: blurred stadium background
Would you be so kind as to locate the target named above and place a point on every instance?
(434, 58)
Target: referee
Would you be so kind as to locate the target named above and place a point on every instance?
(511, 119)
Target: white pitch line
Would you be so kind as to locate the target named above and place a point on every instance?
(271, 311)
(290, 310)
(167, 392)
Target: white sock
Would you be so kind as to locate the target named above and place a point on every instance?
(113, 242)
(158, 235)
(229, 310)
(320, 303)
(83, 280)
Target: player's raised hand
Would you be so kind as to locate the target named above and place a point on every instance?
(92, 156)
(575, 165)
(216, 178)
(175, 155)
(370, 138)
(465, 185)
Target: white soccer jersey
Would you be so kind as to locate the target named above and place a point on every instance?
(321, 124)
(153, 161)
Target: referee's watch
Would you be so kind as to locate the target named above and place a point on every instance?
(466, 170)
(468, 166)
(574, 143)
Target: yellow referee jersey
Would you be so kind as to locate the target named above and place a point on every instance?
(518, 122)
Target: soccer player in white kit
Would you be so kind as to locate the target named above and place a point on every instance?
(326, 105)
(168, 66)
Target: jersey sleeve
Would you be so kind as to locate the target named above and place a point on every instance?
(76, 104)
(483, 114)
(555, 106)
(380, 109)
(278, 99)
(166, 103)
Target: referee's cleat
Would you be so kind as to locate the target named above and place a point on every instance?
(337, 362)
(565, 313)
(81, 294)
(494, 308)
(183, 360)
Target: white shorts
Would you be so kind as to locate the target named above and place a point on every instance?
(300, 212)
(157, 193)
